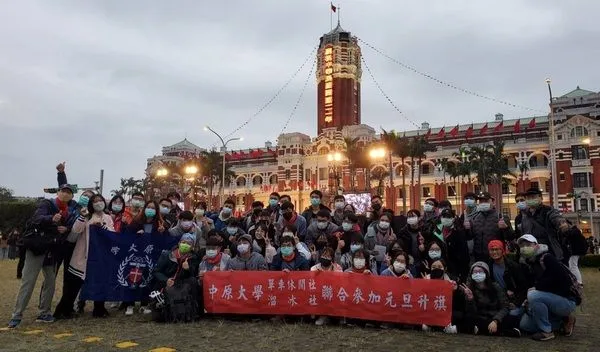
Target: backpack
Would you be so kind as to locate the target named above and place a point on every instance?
(575, 290)
(38, 241)
(180, 305)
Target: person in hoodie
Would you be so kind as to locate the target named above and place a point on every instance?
(322, 227)
(552, 301)
(185, 224)
(310, 214)
(339, 204)
(246, 259)
(290, 217)
(448, 233)
(225, 215)
(486, 305)
(487, 225)
(288, 258)
(514, 278)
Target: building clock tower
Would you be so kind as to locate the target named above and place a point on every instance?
(338, 80)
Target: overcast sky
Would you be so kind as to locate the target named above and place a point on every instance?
(107, 83)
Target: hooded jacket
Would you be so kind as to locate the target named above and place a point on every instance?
(484, 228)
(489, 302)
(550, 274)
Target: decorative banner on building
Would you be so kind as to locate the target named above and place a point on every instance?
(120, 265)
(389, 299)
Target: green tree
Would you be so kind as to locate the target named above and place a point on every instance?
(419, 148)
(402, 150)
(379, 174)
(523, 168)
(212, 169)
(6, 194)
(353, 153)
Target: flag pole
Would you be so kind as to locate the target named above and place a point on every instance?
(338, 13)
(331, 16)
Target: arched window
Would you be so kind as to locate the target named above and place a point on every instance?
(257, 180)
(241, 181)
(273, 179)
(579, 131)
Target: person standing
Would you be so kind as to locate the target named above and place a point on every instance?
(3, 247)
(53, 219)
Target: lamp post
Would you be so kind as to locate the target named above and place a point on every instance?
(553, 150)
(587, 142)
(223, 150)
(335, 158)
(375, 154)
(191, 171)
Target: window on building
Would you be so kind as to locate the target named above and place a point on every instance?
(559, 137)
(400, 193)
(560, 156)
(323, 173)
(505, 188)
(426, 169)
(506, 212)
(477, 189)
(597, 133)
(451, 191)
(580, 180)
(562, 176)
(535, 184)
(579, 152)
(564, 207)
(288, 174)
(426, 192)
(579, 131)
(307, 175)
(583, 204)
(547, 186)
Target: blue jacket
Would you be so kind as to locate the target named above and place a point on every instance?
(298, 264)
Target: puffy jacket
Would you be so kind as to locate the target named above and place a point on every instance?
(484, 228)
(543, 224)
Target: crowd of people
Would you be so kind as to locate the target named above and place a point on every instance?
(506, 281)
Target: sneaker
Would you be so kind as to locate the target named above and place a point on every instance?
(114, 305)
(129, 310)
(475, 330)
(46, 318)
(451, 329)
(425, 328)
(569, 325)
(322, 320)
(145, 310)
(514, 332)
(13, 323)
(543, 336)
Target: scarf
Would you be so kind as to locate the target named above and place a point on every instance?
(63, 208)
(290, 257)
(216, 259)
(292, 220)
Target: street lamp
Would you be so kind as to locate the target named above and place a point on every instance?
(553, 150)
(223, 150)
(335, 158)
(162, 172)
(378, 153)
(587, 142)
(191, 171)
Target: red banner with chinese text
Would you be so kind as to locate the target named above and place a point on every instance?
(389, 299)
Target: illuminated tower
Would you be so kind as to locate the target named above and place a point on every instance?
(338, 80)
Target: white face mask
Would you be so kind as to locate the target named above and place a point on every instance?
(428, 208)
(359, 263)
(339, 205)
(478, 277)
(399, 267)
(413, 220)
(200, 212)
(484, 207)
(384, 225)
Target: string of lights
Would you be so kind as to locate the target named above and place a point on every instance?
(293, 113)
(448, 84)
(387, 97)
(272, 99)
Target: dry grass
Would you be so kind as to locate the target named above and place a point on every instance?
(218, 335)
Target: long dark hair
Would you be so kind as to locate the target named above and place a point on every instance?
(110, 204)
(157, 218)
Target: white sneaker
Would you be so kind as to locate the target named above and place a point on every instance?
(425, 328)
(114, 305)
(322, 320)
(451, 329)
(129, 311)
(145, 310)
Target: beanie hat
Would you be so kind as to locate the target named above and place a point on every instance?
(496, 244)
(188, 237)
(482, 265)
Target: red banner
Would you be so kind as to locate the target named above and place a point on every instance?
(389, 299)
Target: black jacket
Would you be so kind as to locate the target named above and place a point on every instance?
(517, 278)
(552, 276)
(167, 268)
(543, 224)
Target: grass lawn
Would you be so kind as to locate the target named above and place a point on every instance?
(219, 335)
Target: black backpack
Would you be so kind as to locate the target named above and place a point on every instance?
(39, 240)
(575, 289)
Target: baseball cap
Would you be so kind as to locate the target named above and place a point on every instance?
(527, 238)
(484, 195)
(67, 186)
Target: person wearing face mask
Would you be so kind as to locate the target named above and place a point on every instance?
(175, 199)
(346, 260)
(310, 214)
(399, 266)
(430, 211)
(521, 206)
(135, 209)
(185, 224)
(488, 225)
(545, 223)
(486, 305)
(224, 215)
(288, 258)
(470, 208)
(231, 233)
(379, 235)
(166, 211)
(246, 259)
(78, 263)
(349, 226)
(203, 224)
(262, 243)
(53, 217)
(116, 209)
(359, 264)
(290, 217)
(176, 270)
(326, 263)
(438, 272)
(322, 226)
(273, 207)
(448, 233)
(149, 220)
(265, 220)
(339, 203)
(409, 234)
(551, 302)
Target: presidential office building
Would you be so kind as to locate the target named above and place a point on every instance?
(299, 163)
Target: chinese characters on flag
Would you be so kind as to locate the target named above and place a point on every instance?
(333, 294)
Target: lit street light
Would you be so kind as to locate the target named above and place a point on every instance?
(223, 150)
(335, 158)
(162, 172)
(377, 153)
(191, 171)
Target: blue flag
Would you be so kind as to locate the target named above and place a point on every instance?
(120, 265)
